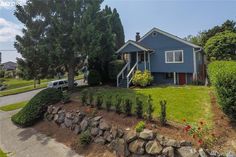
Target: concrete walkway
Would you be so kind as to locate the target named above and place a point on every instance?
(28, 142)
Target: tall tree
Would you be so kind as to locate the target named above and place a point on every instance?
(31, 44)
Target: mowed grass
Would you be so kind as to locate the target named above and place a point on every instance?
(2, 154)
(14, 106)
(183, 102)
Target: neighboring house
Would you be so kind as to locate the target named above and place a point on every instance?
(8, 66)
(170, 59)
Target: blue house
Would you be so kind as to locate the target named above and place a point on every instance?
(170, 59)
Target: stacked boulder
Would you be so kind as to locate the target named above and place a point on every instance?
(146, 143)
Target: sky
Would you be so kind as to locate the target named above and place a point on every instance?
(178, 17)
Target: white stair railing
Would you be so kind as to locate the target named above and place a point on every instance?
(122, 73)
(131, 73)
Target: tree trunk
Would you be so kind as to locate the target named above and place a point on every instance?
(71, 75)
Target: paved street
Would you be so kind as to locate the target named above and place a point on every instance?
(28, 142)
(24, 96)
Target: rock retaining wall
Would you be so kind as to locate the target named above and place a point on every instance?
(125, 143)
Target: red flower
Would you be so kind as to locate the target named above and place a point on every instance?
(187, 128)
(200, 142)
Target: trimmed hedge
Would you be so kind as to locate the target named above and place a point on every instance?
(114, 68)
(222, 75)
(94, 78)
(36, 107)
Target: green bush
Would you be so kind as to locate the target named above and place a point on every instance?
(99, 102)
(118, 104)
(91, 98)
(36, 107)
(163, 113)
(114, 68)
(9, 74)
(150, 108)
(108, 103)
(85, 138)
(127, 107)
(222, 75)
(94, 78)
(139, 108)
(84, 96)
(142, 79)
(2, 73)
(65, 97)
(140, 126)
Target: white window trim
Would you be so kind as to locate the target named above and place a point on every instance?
(173, 51)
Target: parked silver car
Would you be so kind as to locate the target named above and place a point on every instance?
(59, 84)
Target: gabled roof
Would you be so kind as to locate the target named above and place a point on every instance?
(170, 36)
(136, 44)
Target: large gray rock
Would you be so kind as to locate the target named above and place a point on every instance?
(131, 136)
(77, 129)
(94, 123)
(169, 151)
(107, 136)
(68, 122)
(56, 109)
(147, 134)
(100, 140)
(76, 120)
(202, 153)
(171, 142)
(153, 147)
(61, 117)
(120, 147)
(185, 143)
(55, 117)
(50, 109)
(160, 138)
(97, 118)
(187, 152)
(84, 124)
(94, 131)
(231, 154)
(104, 126)
(69, 115)
(114, 132)
(49, 117)
(137, 147)
(120, 133)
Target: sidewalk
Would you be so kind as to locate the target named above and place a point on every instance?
(26, 142)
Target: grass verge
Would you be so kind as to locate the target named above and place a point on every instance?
(14, 106)
(2, 154)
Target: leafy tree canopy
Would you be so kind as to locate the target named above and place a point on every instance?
(222, 46)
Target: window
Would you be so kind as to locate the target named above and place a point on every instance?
(169, 75)
(154, 34)
(175, 56)
(141, 57)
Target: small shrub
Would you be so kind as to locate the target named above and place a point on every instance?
(91, 99)
(139, 108)
(150, 108)
(163, 112)
(142, 79)
(114, 68)
(140, 126)
(84, 96)
(85, 138)
(108, 103)
(99, 102)
(2, 73)
(36, 107)
(94, 78)
(65, 97)
(128, 107)
(118, 104)
(9, 74)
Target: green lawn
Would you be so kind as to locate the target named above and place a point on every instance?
(2, 154)
(183, 102)
(13, 106)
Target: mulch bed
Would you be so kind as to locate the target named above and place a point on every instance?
(224, 129)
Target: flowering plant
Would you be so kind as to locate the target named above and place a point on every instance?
(201, 132)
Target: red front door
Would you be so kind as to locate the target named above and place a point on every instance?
(182, 79)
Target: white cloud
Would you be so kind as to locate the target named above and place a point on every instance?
(8, 4)
(8, 30)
